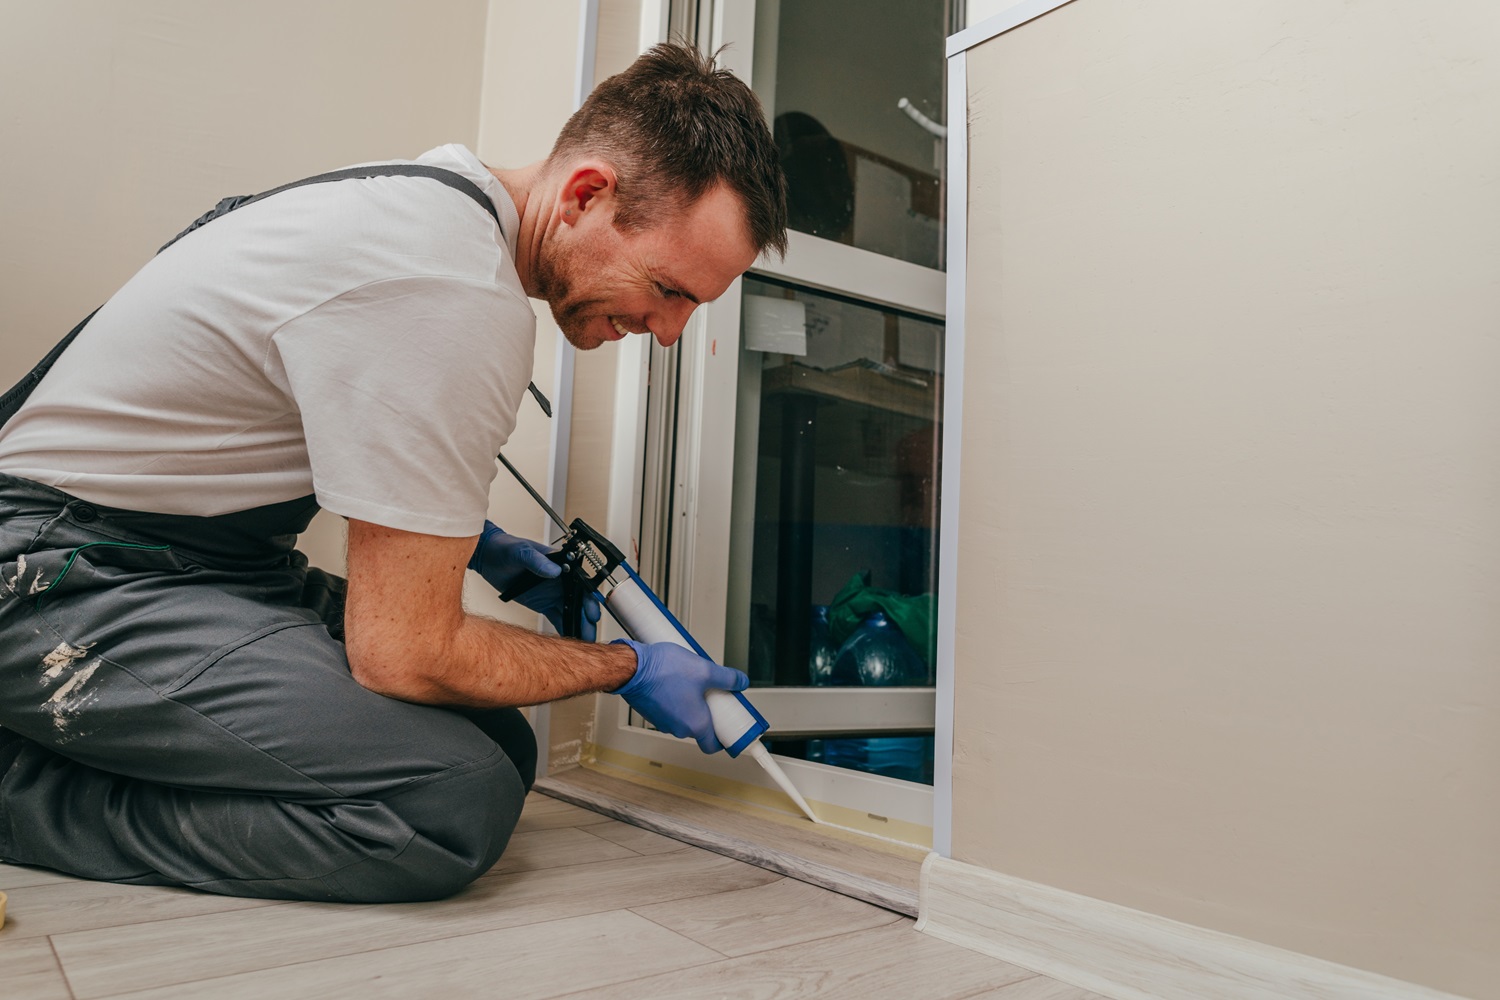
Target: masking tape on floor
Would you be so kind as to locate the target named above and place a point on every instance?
(742, 795)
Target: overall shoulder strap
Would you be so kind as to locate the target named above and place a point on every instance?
(456, 181)
(18, 393)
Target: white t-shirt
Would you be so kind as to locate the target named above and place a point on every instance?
(367, 340)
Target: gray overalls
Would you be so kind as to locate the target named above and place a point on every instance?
(177, 709)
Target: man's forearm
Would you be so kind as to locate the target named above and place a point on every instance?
(488, 664)
(502, 664)
(408, 636)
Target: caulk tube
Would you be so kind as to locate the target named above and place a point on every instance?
(736, 722)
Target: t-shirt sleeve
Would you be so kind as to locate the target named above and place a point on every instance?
(407, 389)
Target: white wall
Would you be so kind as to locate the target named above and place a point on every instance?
(1230, 535)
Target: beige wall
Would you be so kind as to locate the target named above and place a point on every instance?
(123, 122)
(126, 121)
(1230, 535)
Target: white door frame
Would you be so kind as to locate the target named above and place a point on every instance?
(871, 277)
(709, 356)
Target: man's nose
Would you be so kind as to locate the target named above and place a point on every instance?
(667, 327)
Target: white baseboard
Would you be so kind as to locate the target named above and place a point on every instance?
(1127, 954)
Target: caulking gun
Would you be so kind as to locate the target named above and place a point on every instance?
(589, 560)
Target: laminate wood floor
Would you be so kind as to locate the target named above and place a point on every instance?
(580, 906)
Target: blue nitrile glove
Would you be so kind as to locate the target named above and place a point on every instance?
(669, 685)
(504, 560)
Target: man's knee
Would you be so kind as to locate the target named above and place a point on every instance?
(460, 823)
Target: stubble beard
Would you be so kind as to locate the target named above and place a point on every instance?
(571, 316)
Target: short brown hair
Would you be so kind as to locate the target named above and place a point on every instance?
(674, 125)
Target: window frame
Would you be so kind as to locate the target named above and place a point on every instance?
(677, 493)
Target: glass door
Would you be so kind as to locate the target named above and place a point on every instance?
(834, 523)
(806, 554)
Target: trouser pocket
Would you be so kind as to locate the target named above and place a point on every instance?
(50, 573)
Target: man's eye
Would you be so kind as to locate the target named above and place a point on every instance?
(666, 292)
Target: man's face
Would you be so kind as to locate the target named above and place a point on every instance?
(604, 283)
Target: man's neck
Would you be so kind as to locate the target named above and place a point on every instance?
(527, 190)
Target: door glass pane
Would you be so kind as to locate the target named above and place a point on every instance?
(833, 76)
(835, 517)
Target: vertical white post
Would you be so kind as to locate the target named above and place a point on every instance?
(655, 19)
(626, 465)
(734, 22)
(562, 401)
(953, 408)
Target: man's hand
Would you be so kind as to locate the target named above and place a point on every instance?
(669, 686)
(505, 560)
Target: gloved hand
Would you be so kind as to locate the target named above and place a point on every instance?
(669, 686)
(504, 560)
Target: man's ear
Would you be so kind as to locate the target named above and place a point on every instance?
(590, 187)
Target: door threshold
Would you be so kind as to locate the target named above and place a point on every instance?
(877, 871)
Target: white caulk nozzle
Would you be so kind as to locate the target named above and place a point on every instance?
(763, 757)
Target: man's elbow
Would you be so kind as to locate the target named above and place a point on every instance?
(395, 678)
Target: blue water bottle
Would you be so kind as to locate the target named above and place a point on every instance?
(878, 654)
(821, 656)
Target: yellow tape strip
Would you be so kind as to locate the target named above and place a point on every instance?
(845, 823)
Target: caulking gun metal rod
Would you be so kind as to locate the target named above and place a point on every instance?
(534, 494)
(588, 553)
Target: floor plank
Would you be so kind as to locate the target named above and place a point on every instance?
(1037, 988)
(889, 961)
(765, 917)
(540, 849)
(17, 876)
(29, 970)
(168, 952)
(638, 840)
(876, 871)
(40, 910)
(544, 813)
(537, 960)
